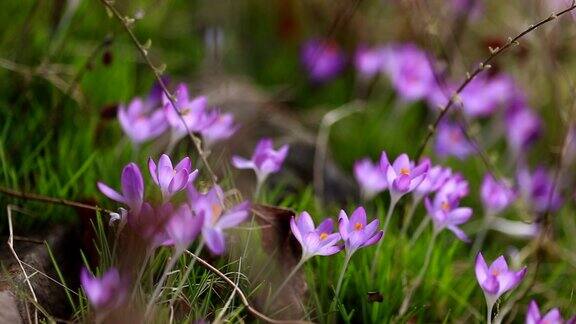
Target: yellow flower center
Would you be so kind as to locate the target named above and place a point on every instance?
(216, 211)
(405, 171)
(445, 206)
(358, 226)
(323, 236)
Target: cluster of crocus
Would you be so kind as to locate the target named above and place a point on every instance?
(496, 279)
(355, 231)
(145, 119)
(538, 190)
(322, 59)
(533, 316)
(264, 161)
(168, 225)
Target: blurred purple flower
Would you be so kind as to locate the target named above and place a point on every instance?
(445, 213)
(264, 161)
(484, 95)
(496, 279)
(451, 141)
(322, 59)
(538, 190)
(104, 293)
(221, 128)
(371, 178)
(315, 241)
(141, 121)
(402, 176)
(495, 195)
(132, 185)
(410, 71)
(369, 62)
(216, 218)
(171, 179)
(183, 227)
(355, 231)
(455, 186)
(523, 127)
(559, 5)
(150, 223)
(439, 95)
(472, 9)
(533, 315)
(191, 110)
(435, 178)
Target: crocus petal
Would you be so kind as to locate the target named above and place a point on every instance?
(459, 233)
(384, 163)
(329, 250)
(374, 239)
(305, 223)
(401, 162)
(133, 186)
(192, 176)
(509, 280)
(296, 230)
(242, 163)
(358, 216)
(184, 164)
(402, 183)
(490, 285)
(179, 181)
(460, 215)
(214, 239)
(553, 317)
(533, 314)
(153, 170)
(481, 268)
(110, 193)
(326, 226)
(499, 265)
(343, 226)
(235, 216)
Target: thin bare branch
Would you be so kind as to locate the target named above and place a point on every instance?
(126, 23)
(483, 66)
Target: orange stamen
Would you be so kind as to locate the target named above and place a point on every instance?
(323, 236)
(405, 171)
(358, 226)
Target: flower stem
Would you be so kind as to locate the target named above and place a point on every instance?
(479, 241)
(158, 289)
(420, 278)
(290, 275)
(489, 307)
(341, 278)
(410, 214)
(393, 202)
(185, 276)
(420, 229)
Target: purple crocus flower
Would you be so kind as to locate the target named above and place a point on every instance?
(486, 94)
(217, 219)
(264, 161)
(104, 293)
(402, 176)
(455, 186)
(315, 241)
(435, 178)
(171, 179)
(141, 121)
(183, 227)
(451, 141)
(523, 127)
(221, 128)
(150, 223)
(496, 279)
(191, 110)
(495, 195)
(538, 190)
(410, 71)
(132, 188)
(355, 231)
(439, 95)
(370, 177)
(534, 317)
(322, 59)
(445, 213)
(369, 62)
